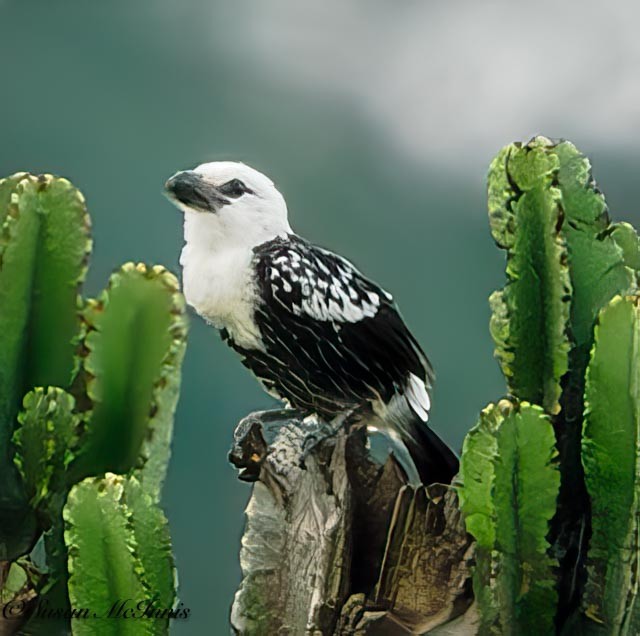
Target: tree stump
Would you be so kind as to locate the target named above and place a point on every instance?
(336, 543)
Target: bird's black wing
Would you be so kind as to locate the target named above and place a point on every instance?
(332, 338)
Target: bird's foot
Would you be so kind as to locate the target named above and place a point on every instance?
(314, 439)
(265, 433)
(312, 442)
(280, 441)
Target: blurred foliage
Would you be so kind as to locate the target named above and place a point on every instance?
(89, 389)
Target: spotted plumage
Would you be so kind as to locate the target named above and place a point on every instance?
(331, 338)
(315, 331)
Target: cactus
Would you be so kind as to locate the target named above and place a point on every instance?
(525, 211)
(568, 268)
(44, 245)
(88, 388)
(612, 468)
(131, 394)
(511, 486)
(119, 549)
(46, 433)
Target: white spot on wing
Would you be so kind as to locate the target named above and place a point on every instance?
(339, 305)
(326, 296)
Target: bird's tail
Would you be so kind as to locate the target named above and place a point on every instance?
(424, 456)
(433, 459)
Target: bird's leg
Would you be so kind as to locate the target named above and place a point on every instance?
(263, 433)
(312, 441)
(272, 420)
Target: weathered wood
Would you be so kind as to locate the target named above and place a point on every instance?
(336, 543)
(425, 573)
(424, 579)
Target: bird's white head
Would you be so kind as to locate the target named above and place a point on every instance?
(227, 204)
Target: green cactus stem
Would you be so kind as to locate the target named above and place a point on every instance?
(510, 482)
(44, 246)
(612, 470)
(564, 262)
(134, 345)
(119, 551)
(43, 441)
(530, 315)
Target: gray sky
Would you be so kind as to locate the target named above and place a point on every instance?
(446, 80)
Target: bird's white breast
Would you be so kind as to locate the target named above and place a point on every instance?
(220, 286)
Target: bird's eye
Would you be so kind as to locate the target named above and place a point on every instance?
(234, 188)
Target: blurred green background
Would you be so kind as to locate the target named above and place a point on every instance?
(376, 120)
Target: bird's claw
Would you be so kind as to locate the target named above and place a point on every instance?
(313, 440)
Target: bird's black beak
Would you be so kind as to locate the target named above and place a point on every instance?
(192, 190)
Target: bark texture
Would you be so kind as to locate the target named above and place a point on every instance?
(336, 543)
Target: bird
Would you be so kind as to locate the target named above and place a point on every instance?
(317, 334)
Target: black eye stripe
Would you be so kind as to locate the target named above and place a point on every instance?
(234, 189)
